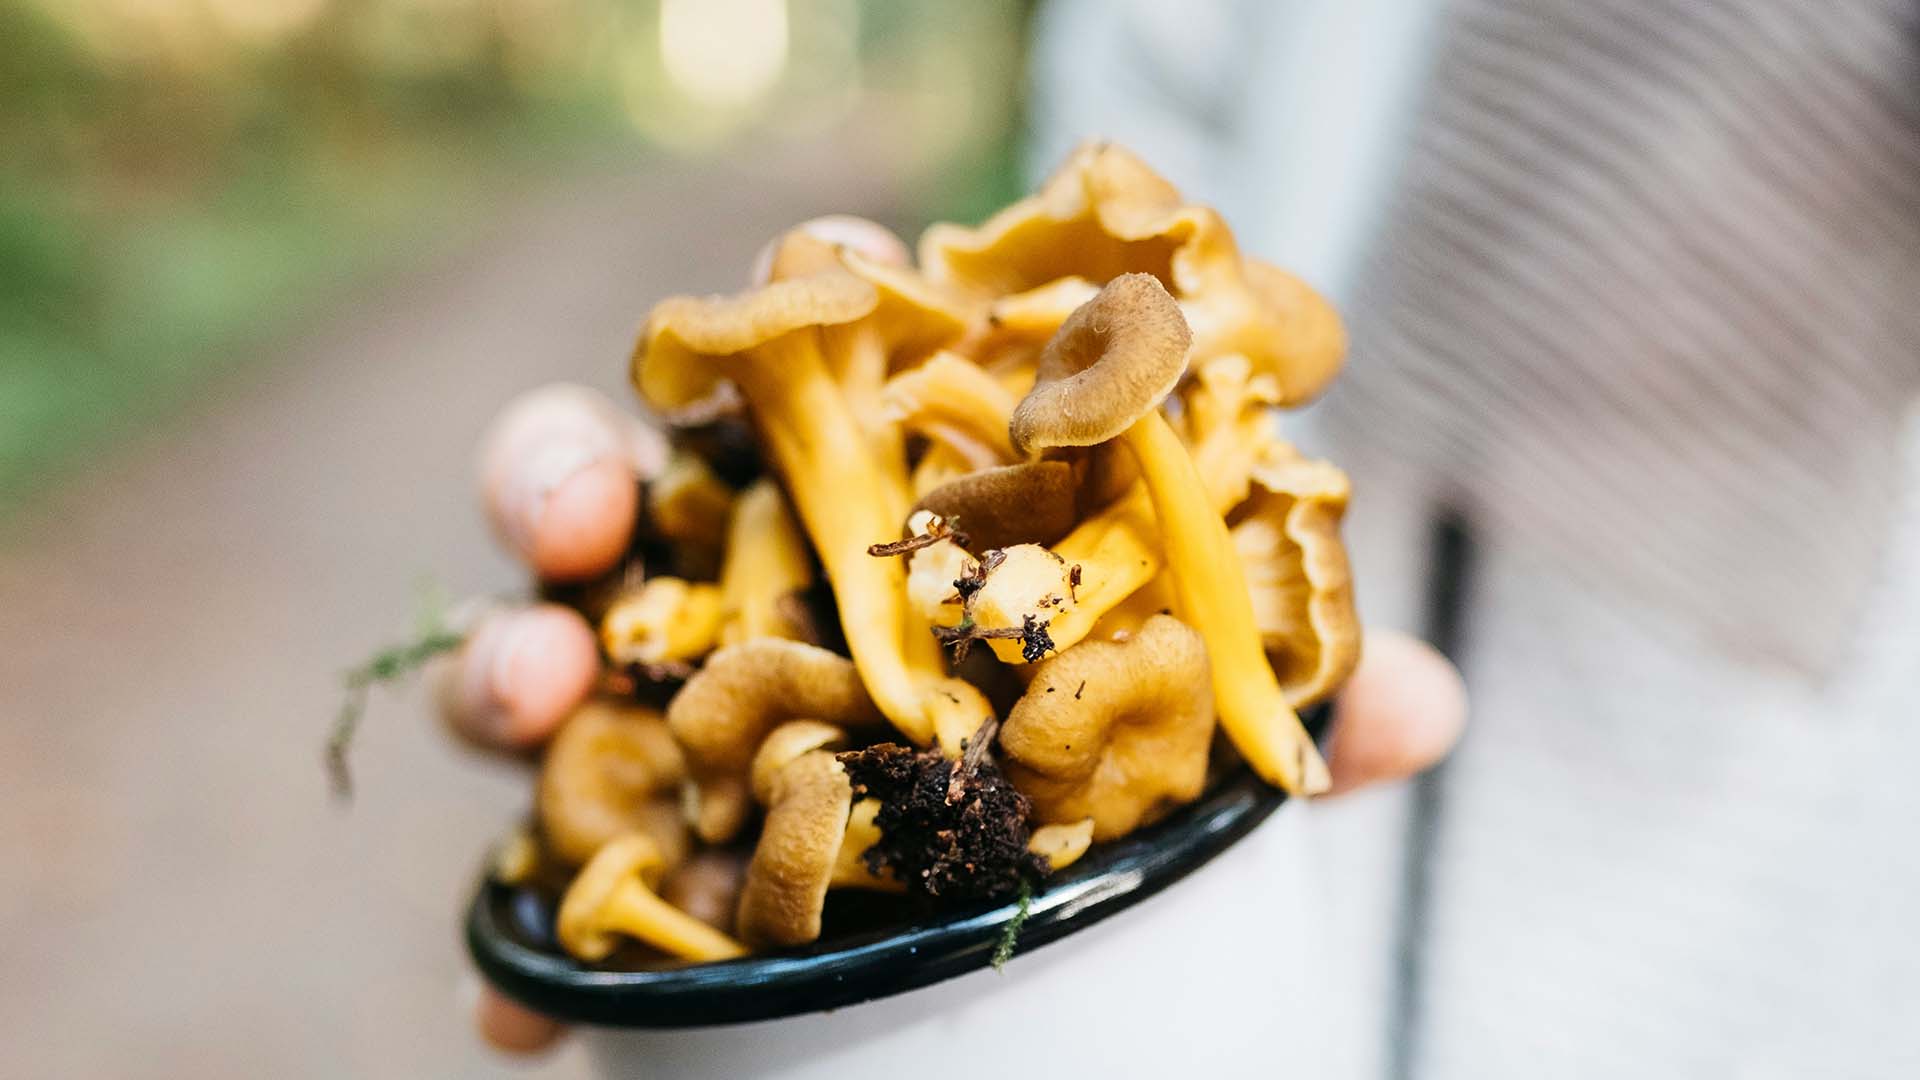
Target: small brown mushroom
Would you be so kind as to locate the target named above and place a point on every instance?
(1103, 377)
(707, 886)
(725, 711)
(1288, 538)
(612, 769)
(809, 845)
(1029, 503)
(613, 897)
(1114, 731)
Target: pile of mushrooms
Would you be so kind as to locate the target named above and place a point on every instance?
(1016, 528)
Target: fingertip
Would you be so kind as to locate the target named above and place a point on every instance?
(544, 671)
(560, 469)
(584, 526)
(511, 1027)
(1402, 712)
(520, 674)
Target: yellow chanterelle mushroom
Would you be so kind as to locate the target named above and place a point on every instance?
(1102, 377)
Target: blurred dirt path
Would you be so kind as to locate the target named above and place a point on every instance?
(182, 898)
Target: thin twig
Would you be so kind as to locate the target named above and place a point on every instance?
(977, 749)
(387, 665)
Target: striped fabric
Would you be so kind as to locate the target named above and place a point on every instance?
(1652, 290)
(1641, 299)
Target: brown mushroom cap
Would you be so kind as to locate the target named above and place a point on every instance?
(613, 768)
(1288, 538)
(786, 743)
(786, 884)
(1093, 382)
(726, 709)
(1029, 503)
(707, 886)
(1114, 731)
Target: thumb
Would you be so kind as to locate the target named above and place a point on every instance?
(1401, 712)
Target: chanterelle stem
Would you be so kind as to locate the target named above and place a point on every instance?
(1212, 594)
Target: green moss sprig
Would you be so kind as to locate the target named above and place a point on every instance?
(432, 637)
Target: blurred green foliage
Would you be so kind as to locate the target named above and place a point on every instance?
(180, 178)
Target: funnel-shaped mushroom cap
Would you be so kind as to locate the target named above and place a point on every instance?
(1113, 361)
(611, 769)
(1103, 214)
(682, 351)
(1114, 731)
(1288, 538)
(914, 315)
(793, 863)
(728, 707)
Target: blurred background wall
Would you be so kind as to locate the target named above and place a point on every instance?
(267, 267)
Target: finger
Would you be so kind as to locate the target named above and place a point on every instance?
(521, 672)
(510, 1026)
(1399, 714)
(559, 474)
(869, 239)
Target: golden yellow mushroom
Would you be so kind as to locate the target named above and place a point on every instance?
(1228, 423)
(765, 569)
(783, 745)
(726, 710)
(1102, 377)
(612, 769)
(1287, 535)
(613, 897)
(1114, 731)
(955, 403)
(1062, 844)
(666, 620)
(808, 846)
(783, 345)
(1104, 214)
